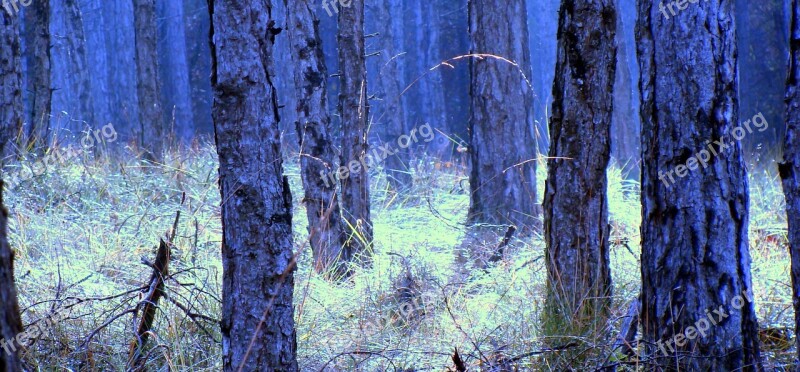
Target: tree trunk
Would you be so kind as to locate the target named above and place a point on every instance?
(257, 259)
(11, 116)
(790, 168)
(97, 58)
(317, 157)
(625, 120)
(388, 113)
(576, 227)
(37, 30)
(695, 254)
(150, 132)
(503, 150)
(197, 26)
(120, 51)
(354, 111)
(10, 122)
(70, 80)
(174, 69)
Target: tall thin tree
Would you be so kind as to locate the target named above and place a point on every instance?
(10, 122)
(790, 168)
(576, 228)
(150, 132)
(354, 111)
(316, 149)
(37, 30)
(501, 127)
(257, 256)
(695, 253)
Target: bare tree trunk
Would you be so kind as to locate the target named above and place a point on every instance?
(37, 29)
(11, 116)
(354, 111)
(503, 150)
(389, 113)
(790, 168)
(695, 253)
(70, 80)
(576, 227)
(150, 132)
(174, 69)
(10, 123)
(317, 158)
(257, 256)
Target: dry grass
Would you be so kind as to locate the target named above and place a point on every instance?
(80, 231)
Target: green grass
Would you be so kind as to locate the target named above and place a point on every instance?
(81, 230)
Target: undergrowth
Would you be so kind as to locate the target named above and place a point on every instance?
(82, 231)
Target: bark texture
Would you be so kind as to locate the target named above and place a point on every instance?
(10, 121)
(695, 254)
(150, 132)
(10, 85)
(317, 156)
(354, 111)
(790, 168)
(503, 150)
(37, 30)
(575, 203)
(257, 258)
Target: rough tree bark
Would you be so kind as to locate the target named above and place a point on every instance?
(11, 116)
(790, 168)
(317, 156)
(10, 122)
(354, 111)
(257, 258)
(575, 203)
(37, 30)
(150, 132)
(695, 254)
(503, 150)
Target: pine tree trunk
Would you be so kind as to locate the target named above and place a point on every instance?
(120, 52)
(354, 111)
(388, 112)
(11, 117)
(695, 253)
(37, 30)
(790, 168)
(10, 122)
(174, 69)
(625, 120)
(150, 131)
(503, 150)
(317, 158)
(70, 80)
(97, 59)
(576, 227)
(257, 251)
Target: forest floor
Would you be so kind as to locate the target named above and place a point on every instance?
(81, 231)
